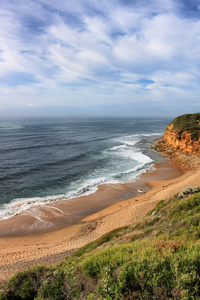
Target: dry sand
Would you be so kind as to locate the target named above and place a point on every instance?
(20, 252)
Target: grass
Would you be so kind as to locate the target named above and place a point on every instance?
(158, 258)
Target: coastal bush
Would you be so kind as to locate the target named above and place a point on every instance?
(57, 286)
(24, 285)
(158, 258)
(100, 241)
(158, 271)
(187, 122)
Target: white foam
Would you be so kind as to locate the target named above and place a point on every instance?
(20, 205)
(38, 218)
(55, 208)
(138, 167)
(130, 150)
(130, 160)
(118, 147)
(132, 140)
(151, 134)
(137, 156)
(129, 140)
(128, 147)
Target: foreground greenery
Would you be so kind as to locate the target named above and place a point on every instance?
(158, 258)
(188, 123)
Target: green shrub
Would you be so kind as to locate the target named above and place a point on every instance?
(187, 122)
(55, 287)
(24, 285)
(158, 258)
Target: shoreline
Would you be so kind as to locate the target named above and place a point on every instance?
(57, 215)
(21, 252)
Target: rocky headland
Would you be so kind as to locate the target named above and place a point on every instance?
(181, 141)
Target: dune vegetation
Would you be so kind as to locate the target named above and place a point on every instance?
(158, 258)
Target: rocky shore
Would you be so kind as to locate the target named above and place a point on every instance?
(184, 160)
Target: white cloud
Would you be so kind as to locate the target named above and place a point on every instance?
(99, 50)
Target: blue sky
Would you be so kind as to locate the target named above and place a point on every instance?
(116, 57)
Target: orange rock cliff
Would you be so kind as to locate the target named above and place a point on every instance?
(181, 140)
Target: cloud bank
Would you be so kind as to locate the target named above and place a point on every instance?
(99, 53)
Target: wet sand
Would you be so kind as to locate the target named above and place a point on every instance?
(20, 252)
(57, 215)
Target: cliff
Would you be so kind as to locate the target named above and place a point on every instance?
(181, 140)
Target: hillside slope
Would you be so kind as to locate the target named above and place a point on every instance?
(158, 258)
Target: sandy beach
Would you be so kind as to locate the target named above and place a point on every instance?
(20, 252)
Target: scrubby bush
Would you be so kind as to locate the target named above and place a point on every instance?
(24, 285)
(187, 122)
(158, 258)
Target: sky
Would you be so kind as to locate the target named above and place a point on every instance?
(91, 57)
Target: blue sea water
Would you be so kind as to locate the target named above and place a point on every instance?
(47, 160)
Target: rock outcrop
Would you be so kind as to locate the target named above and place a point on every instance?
(181, 140)
(188, 191)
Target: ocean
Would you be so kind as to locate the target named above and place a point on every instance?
(45, 160)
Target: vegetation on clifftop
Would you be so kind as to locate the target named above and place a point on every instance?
(188, 123)
(158, 258)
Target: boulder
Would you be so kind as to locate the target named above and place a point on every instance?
(184, 193)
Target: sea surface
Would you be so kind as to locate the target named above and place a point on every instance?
(54, 159)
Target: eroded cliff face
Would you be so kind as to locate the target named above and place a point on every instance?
(181, 142)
